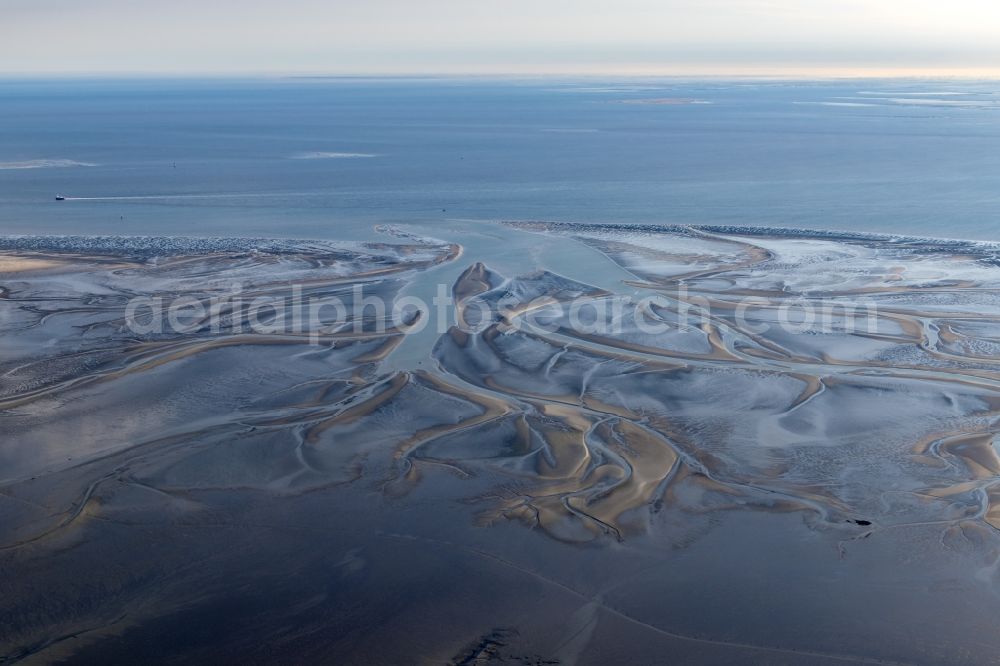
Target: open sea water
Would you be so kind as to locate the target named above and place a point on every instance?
(331, 157)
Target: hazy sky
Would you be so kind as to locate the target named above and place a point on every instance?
(500, 36)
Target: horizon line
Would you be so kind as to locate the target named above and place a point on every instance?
(751, 72)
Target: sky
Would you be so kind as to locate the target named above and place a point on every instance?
(528, 37)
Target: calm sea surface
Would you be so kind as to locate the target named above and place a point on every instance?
(331, 157)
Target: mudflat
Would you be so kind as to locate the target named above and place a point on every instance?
(741, 447)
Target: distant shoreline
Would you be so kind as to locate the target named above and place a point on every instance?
(179, 244)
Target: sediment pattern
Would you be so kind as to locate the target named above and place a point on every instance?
(851, 382)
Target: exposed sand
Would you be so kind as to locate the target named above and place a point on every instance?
(20, 264)
(524, 492)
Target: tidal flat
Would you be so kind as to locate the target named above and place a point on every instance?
(672, 445)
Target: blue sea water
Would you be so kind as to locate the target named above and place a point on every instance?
(328, 158)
